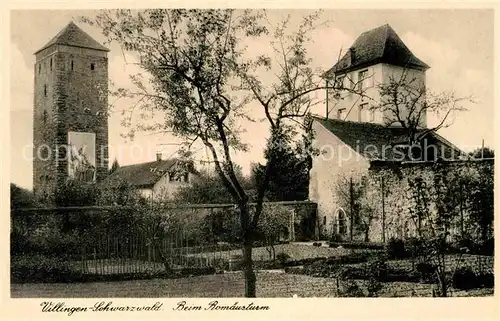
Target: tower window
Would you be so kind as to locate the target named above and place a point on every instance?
(341, 113)
(92, 66)
(51, 63)
(39, 68)
(72, 65)
(45, 90)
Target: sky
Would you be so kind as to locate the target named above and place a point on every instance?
(456, 44)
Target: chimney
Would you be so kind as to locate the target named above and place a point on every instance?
(158, 156)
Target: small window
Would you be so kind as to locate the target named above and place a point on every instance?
(72, 65)
(39, 68)
(92, 66)
(361, 79)
(51, 63)
(186, 177)
(45, 90)
(324, 220)
(341, 113)
(44, 117)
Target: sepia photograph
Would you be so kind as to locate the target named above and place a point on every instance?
(251, 153)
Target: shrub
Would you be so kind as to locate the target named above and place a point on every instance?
(42, 269)
(395, 249)
(487, 247)
(282, 257)
(486, 280)
(426, 272)
(464, 279)
(351, 289)
(377, 269)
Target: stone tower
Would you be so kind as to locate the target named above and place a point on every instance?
(70, 122)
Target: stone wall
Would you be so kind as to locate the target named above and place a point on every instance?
(393, 210)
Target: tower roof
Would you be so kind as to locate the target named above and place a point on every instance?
(72, 35)
(379, 45)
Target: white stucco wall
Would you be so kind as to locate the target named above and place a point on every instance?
(412, 76)
(165, 188)
(350, 101)
(336, 159)
(376, 75)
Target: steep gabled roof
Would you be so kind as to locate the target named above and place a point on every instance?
(380, 45)
(72, 35)
(145, 174)
(375, 141)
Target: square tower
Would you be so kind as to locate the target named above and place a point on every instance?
(70, 119)
(377, 57)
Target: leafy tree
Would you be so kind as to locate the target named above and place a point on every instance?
(202, 81)
(289, 181)
(274, 223)
(484, 152)
(208, 188)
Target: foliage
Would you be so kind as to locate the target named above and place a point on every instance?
(484, 152)
(282, 257)
(274, 222)
(20, 197)
(118, 192)
(289, 180)
(114, 166)
(207, 188)
(464, 278)
(395, 249)
(39, 268)
(76, 193)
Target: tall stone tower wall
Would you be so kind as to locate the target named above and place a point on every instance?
(71, 85)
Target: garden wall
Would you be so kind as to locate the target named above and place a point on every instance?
(389, 207)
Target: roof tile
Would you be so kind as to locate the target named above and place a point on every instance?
(72, 35)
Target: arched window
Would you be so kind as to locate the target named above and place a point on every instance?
(341, 219)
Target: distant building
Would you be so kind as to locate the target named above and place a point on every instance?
(351, 135)
(70, 122)
(156, 180)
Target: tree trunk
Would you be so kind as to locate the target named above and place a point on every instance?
(250, 279)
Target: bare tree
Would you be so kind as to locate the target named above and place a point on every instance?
(406, 102)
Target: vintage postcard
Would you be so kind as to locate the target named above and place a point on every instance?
(173, 162)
